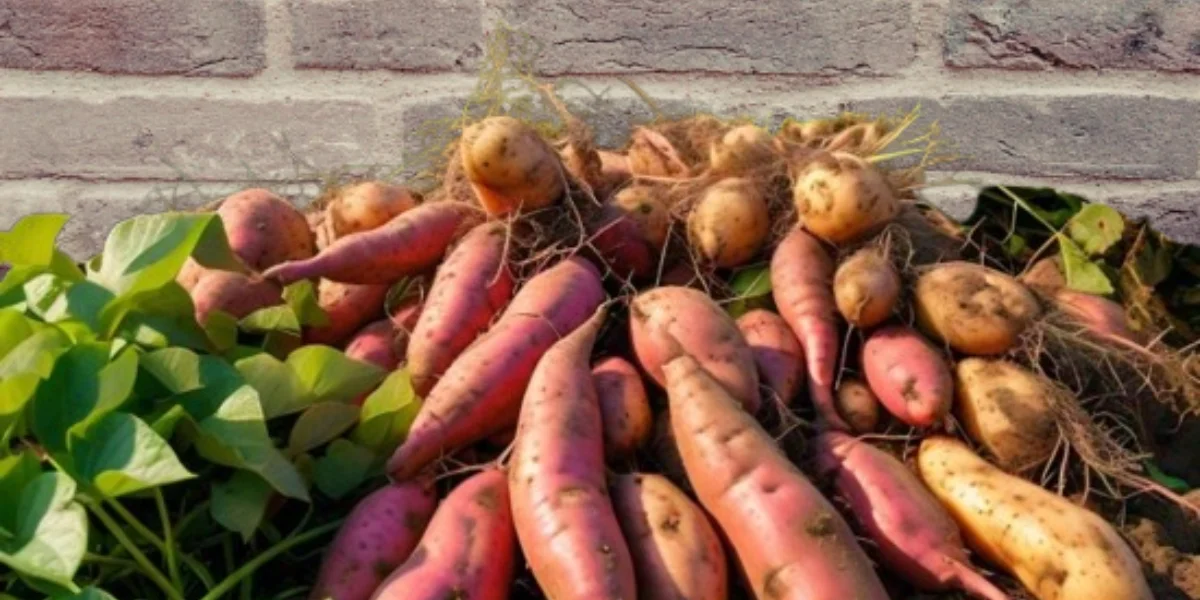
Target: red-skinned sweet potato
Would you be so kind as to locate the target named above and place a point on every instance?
(776, 351)
(349, 307)
(624, 407)
(908, 375)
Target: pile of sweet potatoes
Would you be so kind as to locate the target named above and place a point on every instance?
(546, 367)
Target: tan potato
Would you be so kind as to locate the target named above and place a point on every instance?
(1007, 410)
(857, 404)
(866, 287)
(730, 223)
(510, 166)
(1045, 275)
(840, 197)
(651, 154)
(1058, 550)
(367, 205)
(974, 309)
(643, 204)
(743, 148)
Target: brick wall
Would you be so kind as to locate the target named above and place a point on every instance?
(110, 107)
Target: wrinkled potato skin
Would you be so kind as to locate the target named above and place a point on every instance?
(866, 287)
(1006, 409)
(974, 309)
(730, 223)
(840, 198)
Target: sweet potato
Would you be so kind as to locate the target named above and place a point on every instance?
(467, 550)
(908, 375)
(866, 287)
(406, 245)
(561, 509)
(624, 407)
(858, 405)
(630, 230)
(1045, 275)
(481, 392)
(1057, 549)
(190, 274)
(234, 293)
(349, 307)
(841, 197)
(974, 309)
(510, 166)
(802, 285)
(776, 351)
(729, 223)
(265, 230)
(376, 344)
(788, 539)
(603, 170)
(1099, 315)
(745, 148)
(915, 537)
(378, 535)
(664, 317)
(1007, 410)
(470, 288)
(364, 206)
(676, 552)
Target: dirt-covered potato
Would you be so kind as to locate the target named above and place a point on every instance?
(841, 197)
(743, 148)
(510, 166)
(1007, 410)
(367, 205)
(866, 287)
(729, 223)
(974, 309)
(858, 405)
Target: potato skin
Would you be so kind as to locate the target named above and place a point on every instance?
(908, 375)
(866, 287)
(510, 166)
(367, 205)
(1007, 410)
(631, 229)
(743, 148)
(841, 197)
(858, 405)
(974, 309)
(264, 229)
(624, 408)
(729, 223)
(234, 293)
(1057, 549)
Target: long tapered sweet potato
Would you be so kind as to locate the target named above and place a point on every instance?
(480, 394)
(788, 539)
(561, 508)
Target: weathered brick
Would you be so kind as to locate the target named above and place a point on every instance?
(203, 139)
(1161, 35)
(189, 37)
(405, 35)
(1118, 137)
(868, 37)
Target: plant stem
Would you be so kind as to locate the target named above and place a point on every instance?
(148, 569)
(168, 539)
(108, 560)
(250, 567)
(196, 568)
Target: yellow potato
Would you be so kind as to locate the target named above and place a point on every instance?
(510, 166)
(974, 309)
(858, 405)
(1007, 410)
(367, 205)
(743, 148)
(866, 287)
(840, 197)
(730, 223)
(1058, 550)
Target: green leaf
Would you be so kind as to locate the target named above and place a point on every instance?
(83, 386)
(120, 454)
(146, 252)
(1096, 228)
(1015, 245)
(387, 413)
(56, 300)
(15, 393)
(14, 329)
(403, 291)
(302, 298)
(16, 472)
(50, 533)
(87, 593)
(321, 423)
(271, 318)
(343, 468)
(751, 288)
(36, 353)
(158, 319)
(1174, 484)
(222, 330)
(1082, 274)
(239, 503)
(31, 240)
(331, 376)
(280, 389)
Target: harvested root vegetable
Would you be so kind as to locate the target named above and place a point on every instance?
(366, 206)
(265, 230)
(1101, 316)
(665, 319)
(730, 223)
(788, 539)
(841, 197)
(510, 166)
(974, 309)
(407, 245)
(742, 149)
(652, 155)
(1057, 549)
(377, 344)
(1045, 276)
(776, 351)
(866, 287)
(862, 139)
(468, 550)
(858, 405)
(233, 293)
(480, 394)
(631, 230)
(915, 537)
(624, 407)
(676, 552)
(470, 288)
(349, 307)
(560, 504)
(380, 534)
(1007, 410)
(191, 273)
(802, 285)
(604, 171)
(666, 453)
(908, 375)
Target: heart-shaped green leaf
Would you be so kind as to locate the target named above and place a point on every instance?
(1096, 228)
(83, 386)
(146, 252)
(240, 502)
(50, 535)
(344, 467)
(280, 388)
(319, 424)
(120, 454)
(30, 242)
(1082, 274)
(331, 376)
(388, 413)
